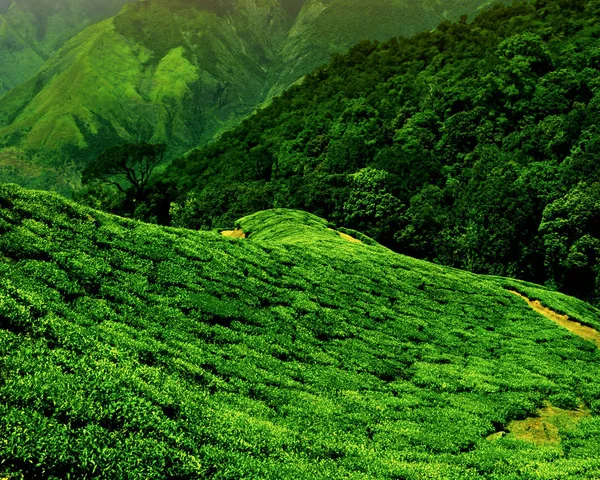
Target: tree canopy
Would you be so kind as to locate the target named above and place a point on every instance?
(133, 163)
(461, 145)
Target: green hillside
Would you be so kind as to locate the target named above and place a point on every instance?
(32, 30)
(474, 146)
(331, 27)
(130, 350)
(180, 71)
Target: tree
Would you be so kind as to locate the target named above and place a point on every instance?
(370, 207)
(570, 231)
(133, 163)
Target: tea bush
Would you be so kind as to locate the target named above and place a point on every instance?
(130, 350)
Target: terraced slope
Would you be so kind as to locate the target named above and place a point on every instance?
(177, 72)
(135, 351)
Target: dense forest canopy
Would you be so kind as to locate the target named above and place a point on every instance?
(474, 145)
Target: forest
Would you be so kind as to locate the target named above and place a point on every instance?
(474, 145)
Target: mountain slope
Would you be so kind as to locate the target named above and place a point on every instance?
(326, 28)
(129, 350)
(474, 146)
(132, 74)
(32, 30)
(179, 72)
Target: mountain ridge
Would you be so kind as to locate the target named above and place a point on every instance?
(233, 59)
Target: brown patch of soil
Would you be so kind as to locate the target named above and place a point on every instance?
(237, 233)
(544, 429)
(583, 331)
(346, 236)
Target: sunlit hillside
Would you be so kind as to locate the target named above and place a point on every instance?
(135, 351)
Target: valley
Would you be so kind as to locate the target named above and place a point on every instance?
(181, 72)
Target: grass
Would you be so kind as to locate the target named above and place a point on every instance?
(130, 350)
(544, 429)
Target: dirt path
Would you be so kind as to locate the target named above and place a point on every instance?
(345, 236)
(237, 233)
(348, 237)
(583, 331)
(543, 429)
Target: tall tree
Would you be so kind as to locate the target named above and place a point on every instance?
(133, 163)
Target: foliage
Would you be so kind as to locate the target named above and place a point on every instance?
(130, 350)
(465, 145)
(180, 72)
(130, 162)
(571, 235)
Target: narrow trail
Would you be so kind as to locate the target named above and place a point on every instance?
(583, 331)
(237, 233)
(345, 236)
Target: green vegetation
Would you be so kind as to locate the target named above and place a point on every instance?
(32, 30)
(474, 146)
(128, 163)
(178, 72)
(130, 350)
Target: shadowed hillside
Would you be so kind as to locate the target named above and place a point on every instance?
(130, 350)
(32, 30)
(178, 72)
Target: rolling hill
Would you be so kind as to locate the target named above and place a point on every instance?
(473, 146)
(32, 30)
(130, 350)
(180, 71)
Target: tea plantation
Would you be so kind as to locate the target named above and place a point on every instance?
(133, 351)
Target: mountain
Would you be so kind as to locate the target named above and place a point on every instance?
(180, 71)
(473, 146)
(331, 27)
(32, 30)
(130, 350)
